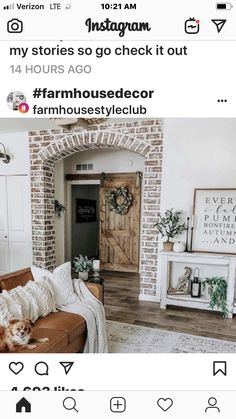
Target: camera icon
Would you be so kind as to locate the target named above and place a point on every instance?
(15, 26)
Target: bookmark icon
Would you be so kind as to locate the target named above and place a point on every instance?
(219, 367)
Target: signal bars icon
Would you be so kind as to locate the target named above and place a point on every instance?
(9, 7)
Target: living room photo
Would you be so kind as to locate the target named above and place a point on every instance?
(118, 235)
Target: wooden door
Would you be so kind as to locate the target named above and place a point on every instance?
(120, 234)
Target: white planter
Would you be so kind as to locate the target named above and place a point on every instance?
(83, 276)
(179, 247)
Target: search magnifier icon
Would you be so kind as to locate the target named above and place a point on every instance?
(69, 403)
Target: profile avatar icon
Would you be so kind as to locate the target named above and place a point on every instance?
(15, 99)
(212, 402)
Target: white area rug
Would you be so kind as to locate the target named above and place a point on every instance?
(126, 338)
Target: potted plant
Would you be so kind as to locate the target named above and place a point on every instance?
(169, 225)
(59, 208)
(217, 289)
(82, 265)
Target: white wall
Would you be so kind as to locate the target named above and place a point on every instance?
(17, 147)
(108, 161)
(198, 153)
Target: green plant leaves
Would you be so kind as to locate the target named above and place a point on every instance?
(169, 224)
(217, 288)
(59, 208)
(112, 199)
(82, 264)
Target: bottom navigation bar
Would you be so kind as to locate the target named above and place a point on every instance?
(129, 404)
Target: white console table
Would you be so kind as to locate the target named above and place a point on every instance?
(172, 266)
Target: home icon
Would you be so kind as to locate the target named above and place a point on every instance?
(23, 406)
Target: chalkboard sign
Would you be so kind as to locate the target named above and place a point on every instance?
(215, 221)
(86, 210)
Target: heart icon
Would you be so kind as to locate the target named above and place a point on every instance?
(165, 404)
(16, 367)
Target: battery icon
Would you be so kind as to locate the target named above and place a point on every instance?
(224, 6)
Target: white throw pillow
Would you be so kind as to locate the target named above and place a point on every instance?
(32, 301)
(42, 297)
(61, 282)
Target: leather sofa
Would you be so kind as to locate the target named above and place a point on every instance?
(66, 332)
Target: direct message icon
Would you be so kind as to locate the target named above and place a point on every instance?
(67, 366)
(219, 367)
(220, 23)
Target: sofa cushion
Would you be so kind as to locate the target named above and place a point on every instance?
(58, 341)
(69, 323)
(77, 345)
(33, 300)
(13, 280)
(61, 281)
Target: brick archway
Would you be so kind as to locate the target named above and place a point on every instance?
(48, 147)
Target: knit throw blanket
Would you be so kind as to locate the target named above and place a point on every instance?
(87, 306)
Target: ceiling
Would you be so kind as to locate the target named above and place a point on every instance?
(24, 124)
(33, 124)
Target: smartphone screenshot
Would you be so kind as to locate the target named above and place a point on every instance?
(117, 209)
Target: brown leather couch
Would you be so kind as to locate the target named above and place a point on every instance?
(66, 332)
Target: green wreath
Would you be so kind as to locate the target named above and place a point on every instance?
(112, 200)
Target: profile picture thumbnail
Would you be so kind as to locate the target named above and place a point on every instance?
(17, 102)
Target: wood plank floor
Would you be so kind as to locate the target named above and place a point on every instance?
(122, 304)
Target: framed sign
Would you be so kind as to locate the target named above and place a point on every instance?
(214, 221)
(86, 210)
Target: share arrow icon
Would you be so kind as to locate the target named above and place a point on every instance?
(67, 366)
(220, 23)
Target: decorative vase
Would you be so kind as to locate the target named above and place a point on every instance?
(168, 246)
(179, 247)
(83, 276)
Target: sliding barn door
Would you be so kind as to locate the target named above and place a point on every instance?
(120, 234)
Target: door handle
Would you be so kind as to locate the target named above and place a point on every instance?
(5, 237)
(101, 222)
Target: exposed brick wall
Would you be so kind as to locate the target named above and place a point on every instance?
(144, 137)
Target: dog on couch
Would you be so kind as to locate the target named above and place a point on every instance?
(17, 335)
